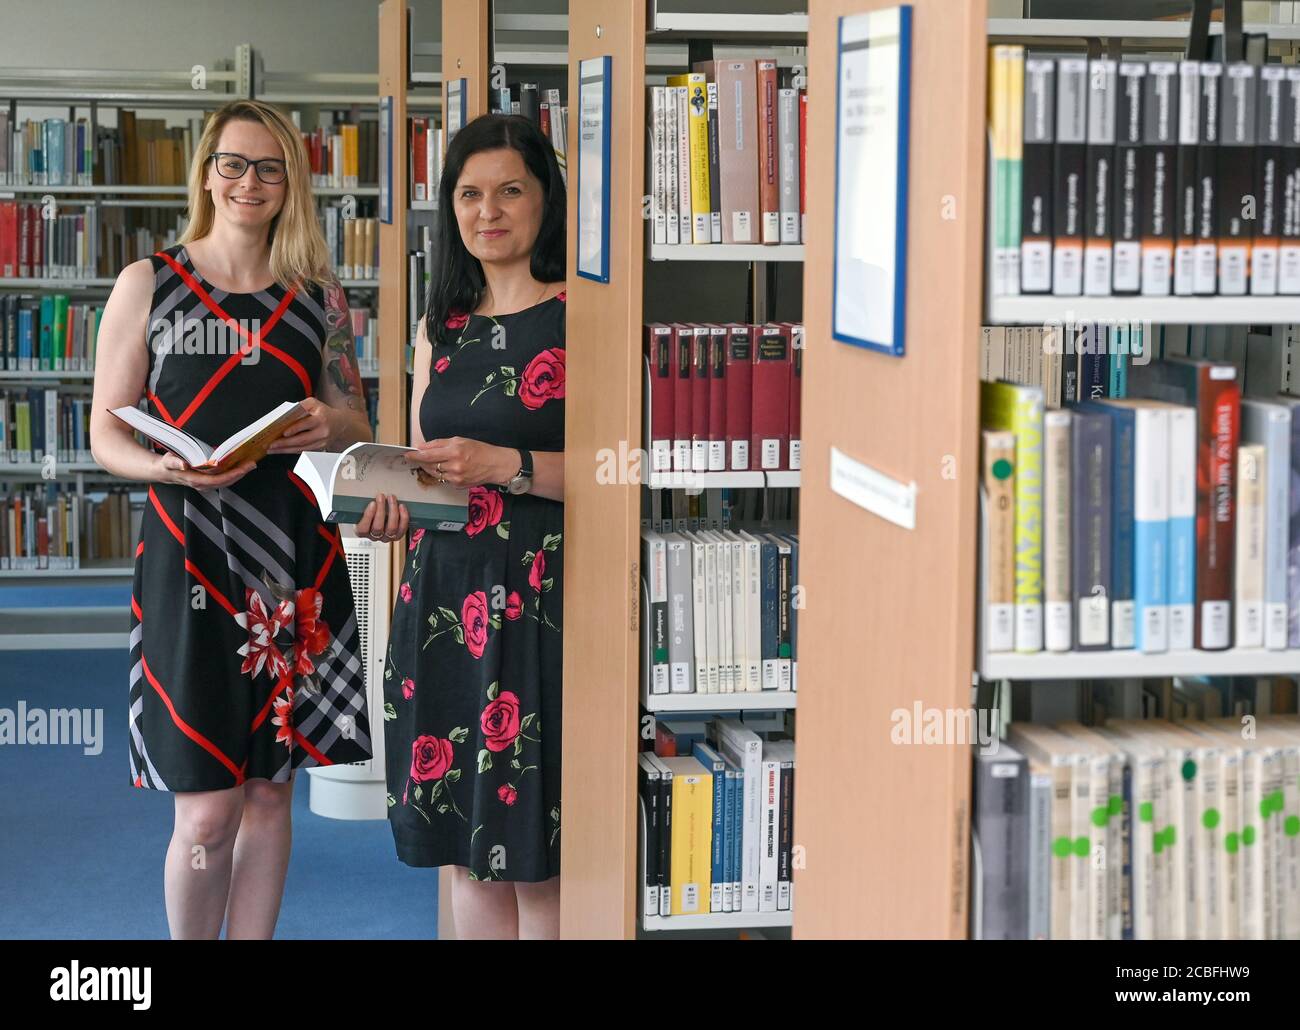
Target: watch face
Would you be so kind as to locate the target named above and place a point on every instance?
(520, 484)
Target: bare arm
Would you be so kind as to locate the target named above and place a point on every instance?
(121, 374)
(337, 414)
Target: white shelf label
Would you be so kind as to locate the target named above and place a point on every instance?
(868, 488)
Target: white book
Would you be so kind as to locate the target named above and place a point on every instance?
(700, 616)
(654, 613)
(722, 546)
(753, 573)
(1151, 527)
(657, 118)
(743, 748)
(684, 162)
(1269, 424)
(739, 611)
(1248, 556)
(787, 121)
(712, 611)
(1181, 589)
(679, 562)
(344, 483)
(1058, 602)
(672, 218)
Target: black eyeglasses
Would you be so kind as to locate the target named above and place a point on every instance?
(233, 166)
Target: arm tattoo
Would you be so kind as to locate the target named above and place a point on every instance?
(339, 374)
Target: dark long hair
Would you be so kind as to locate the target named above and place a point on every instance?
(457, 283)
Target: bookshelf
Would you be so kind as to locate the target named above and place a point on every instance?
(88, 92)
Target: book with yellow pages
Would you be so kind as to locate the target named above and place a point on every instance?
(248, 444)
(344, 483)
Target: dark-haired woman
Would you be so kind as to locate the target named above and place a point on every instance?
(474, 662)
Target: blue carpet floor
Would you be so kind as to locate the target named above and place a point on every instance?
(81, 850)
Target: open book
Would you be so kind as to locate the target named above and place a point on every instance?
(249, 444)
(345, 483)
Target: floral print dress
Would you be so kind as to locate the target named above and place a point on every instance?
(472, 680)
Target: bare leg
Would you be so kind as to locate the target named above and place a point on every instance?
(261, 860)
(483, 909)
(539, 910)
(196, 877)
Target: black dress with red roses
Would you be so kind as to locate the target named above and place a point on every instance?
(245, 654)
(472, 682)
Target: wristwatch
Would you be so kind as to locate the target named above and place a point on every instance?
(522, 481)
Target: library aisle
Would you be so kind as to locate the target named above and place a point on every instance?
(664, 361)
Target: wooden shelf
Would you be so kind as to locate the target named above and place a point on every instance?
(725, 252)
(1041, 309)
(718, 921)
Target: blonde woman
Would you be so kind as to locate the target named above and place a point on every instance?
(245, 656)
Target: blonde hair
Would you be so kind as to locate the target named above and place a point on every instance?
(298, 250)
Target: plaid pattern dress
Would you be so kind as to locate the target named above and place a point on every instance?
(245, 656)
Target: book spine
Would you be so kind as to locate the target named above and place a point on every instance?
(715, 167)
(794, 449)
(1268, 182)
(1069, 166)
(1182, 528)
(1057, 599)
(717, 438)
(1219, 406)
(1127, 272)
(1238, 208)
(1123, 631)
(684, 336)
(1099, 216)
(999, 458)
(1288, 256)
(659, 347)
(769, 185)
(739, 397)
(769, 419)
(1036, 205)
(700, 399)
(1249, 565)
(1151, 528)
(1015, 161)
(1186, 205)
(1205, 266)
(788, 163)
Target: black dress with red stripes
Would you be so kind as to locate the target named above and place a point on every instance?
(245, 654)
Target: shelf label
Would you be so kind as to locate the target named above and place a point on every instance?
(869, 488)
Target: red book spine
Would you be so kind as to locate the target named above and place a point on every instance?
(8, 239)
(685, 339)
(794, 457)
(1219, 413)
(24, 242)
(659, 349)
(770, 429)
(700, 400)
(769, 179)
(544, 119)
(38, 241)
(419, 159)
(740, 378)
(803, 165)
(717, 398)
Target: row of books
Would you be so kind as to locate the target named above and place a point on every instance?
(723, 396)
(353, 243)
(1154, 177)
(1081, 362)
(425, 168)
(62, 151)
(1139, 830)
(727, 157)
(719, 612)
(545, 108)
(56, 527)
(717, 815)
(48, 333)
(40, 421)
(688, 509)
(1143, 522)
(343, 155)
(40, 247)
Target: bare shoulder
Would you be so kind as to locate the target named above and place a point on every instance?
(135, 281)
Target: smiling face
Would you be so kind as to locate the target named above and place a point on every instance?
(247, 201)
(498, 204)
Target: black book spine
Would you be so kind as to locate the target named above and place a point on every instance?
(1098, 252)
(1069, 163)
(1185, 206)
(1268, 180)
(1205, 261)
(1238, 205)
(1128, 192)
(1159, 157)
(1036, 176)
(1090, 469)
(1288, 258)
